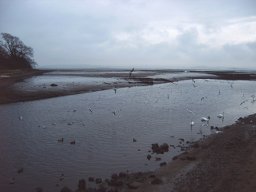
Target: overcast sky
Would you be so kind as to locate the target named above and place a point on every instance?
(135, 33)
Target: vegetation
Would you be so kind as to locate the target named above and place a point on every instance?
(14, 54)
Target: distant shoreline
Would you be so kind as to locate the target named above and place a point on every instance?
(140, 78)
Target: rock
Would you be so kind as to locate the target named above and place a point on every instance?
(149, 157)
(190, 158)
(134, 185)
(115, 183)
(114, 176)
(39, 189)
(156, 181)
(163, 164)
(20, 170)
(160, 149)
(81, 186)
(54, 85)
(65, 189)
(91, 179)
(12, 181)
(122, 174)
(98, 180)
(158, 158)
(175, 158)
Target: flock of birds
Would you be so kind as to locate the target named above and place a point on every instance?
(206, 120)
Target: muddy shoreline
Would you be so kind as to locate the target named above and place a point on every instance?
(9, 94)
(225, 161)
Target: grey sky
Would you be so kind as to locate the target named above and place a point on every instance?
(135, 33)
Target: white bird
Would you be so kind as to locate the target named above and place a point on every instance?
(204, 119)
(221, 115)
(192, 123)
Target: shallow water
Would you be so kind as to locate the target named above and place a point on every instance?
(103, 124)
(179, 75)
(63, 81)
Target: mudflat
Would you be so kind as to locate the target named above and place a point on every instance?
(9, 93)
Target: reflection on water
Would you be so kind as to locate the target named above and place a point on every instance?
(104, 123)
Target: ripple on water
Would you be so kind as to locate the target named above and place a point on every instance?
(104, 140)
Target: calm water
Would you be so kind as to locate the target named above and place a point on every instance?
(103, 124)
(63, 81)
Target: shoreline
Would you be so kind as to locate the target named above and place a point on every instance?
(225, 161)
(220, 162)
(9, 94)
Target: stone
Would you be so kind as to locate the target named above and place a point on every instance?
(65, 189)
(156, 181)
(134, 185)
(54, 85)
(20, 170)
(163, 164)
(98, 180)
(148, 157)
(91, 179)
(81, 186)
(160, 149)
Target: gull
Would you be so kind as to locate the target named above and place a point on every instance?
(192, 123)
(204, 119)
(221, 115)
(190, 111)
(243, 102)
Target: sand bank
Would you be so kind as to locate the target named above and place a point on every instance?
(9, 93)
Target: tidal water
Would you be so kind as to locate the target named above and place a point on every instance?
(103, 125)
(63, 81)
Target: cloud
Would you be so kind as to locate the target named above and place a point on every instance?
(164, 33)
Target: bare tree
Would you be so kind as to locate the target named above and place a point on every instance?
(18, 54)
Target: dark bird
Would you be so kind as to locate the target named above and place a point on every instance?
(130, 73)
